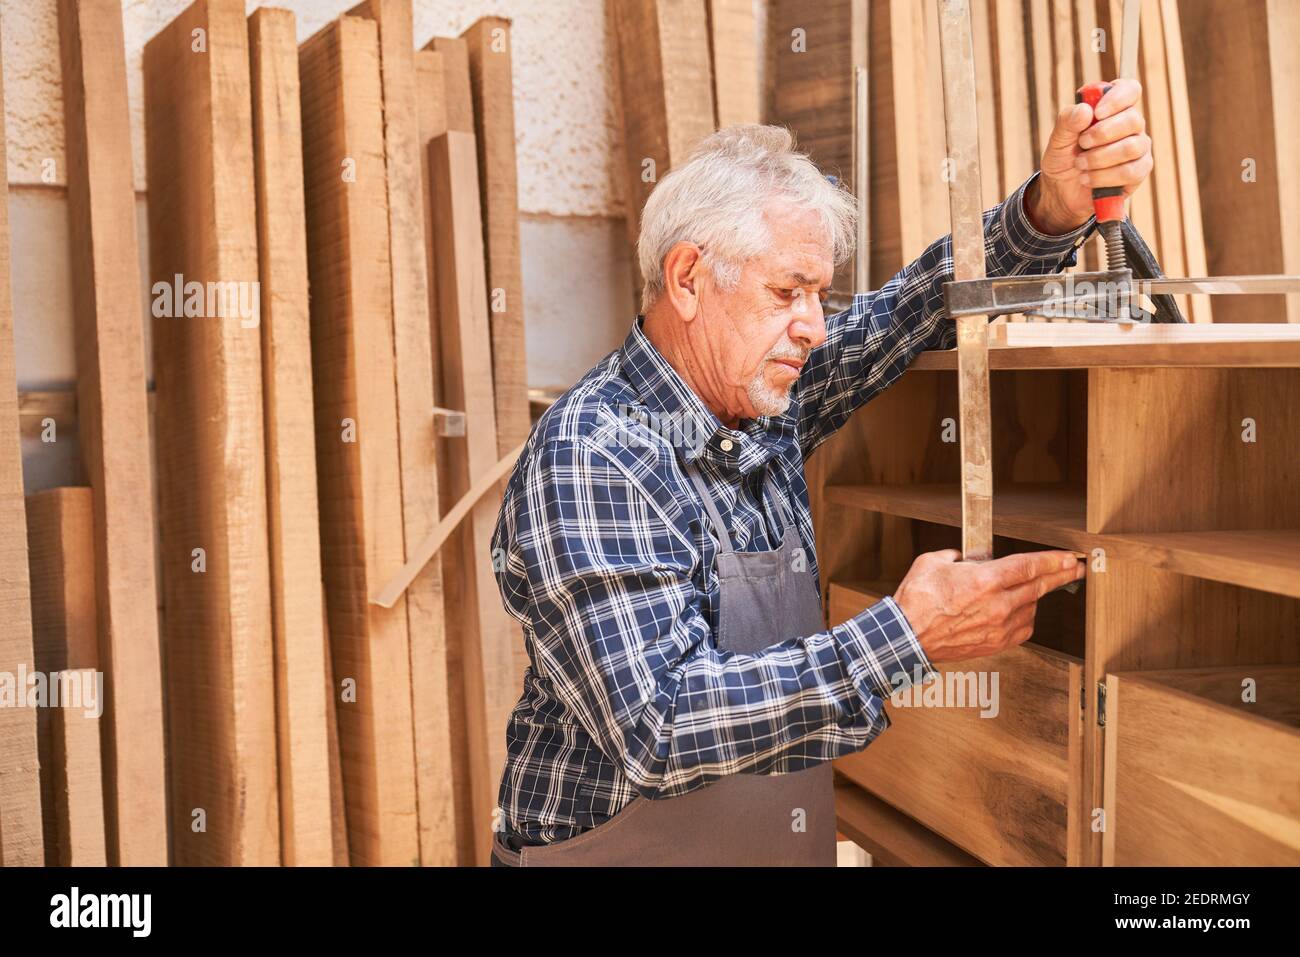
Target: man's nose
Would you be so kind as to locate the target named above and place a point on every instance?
(809, 325)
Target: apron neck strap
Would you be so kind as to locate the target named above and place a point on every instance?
(711, 507)
(783, 509)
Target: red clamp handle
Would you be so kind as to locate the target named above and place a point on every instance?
(1107, 201)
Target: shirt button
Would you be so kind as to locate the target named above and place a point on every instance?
(727, 445)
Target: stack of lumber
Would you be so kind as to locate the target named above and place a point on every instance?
(1215, 83)
(339, 374)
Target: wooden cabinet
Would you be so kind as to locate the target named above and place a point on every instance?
(1171, 458)
(1202, 766)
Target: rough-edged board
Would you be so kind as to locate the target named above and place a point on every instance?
(1141, 205)
(1041, 56)
(211, 445)
(905, 19)
(488, 42)
(982, 38)
(1164, 176)
(415, 400)
(61, 560)
(76, 779)
(486, 637)
(1189, 196)
(301, 645)
(20, 787)
(114, 423)
(458, 96)
(811, 64)
(1284, 73)
(733, 41)
(667, 87)
(358, 460)
(442, 93)
(1017, 141)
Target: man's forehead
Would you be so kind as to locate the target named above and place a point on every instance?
(801, 252)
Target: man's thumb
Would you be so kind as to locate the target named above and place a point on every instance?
(1070, 122)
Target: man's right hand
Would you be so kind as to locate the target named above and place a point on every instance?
(961, 610)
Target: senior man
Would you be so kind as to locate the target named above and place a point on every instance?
(684, 697)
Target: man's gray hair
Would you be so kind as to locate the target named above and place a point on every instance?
(717, 198)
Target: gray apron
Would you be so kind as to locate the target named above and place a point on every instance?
(743, 819)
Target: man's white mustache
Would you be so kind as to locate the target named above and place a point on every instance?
(789, 352)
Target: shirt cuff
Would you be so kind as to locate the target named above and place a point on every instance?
(881, 638)
(1025, 241)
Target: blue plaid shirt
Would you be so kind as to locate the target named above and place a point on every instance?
(609, 566)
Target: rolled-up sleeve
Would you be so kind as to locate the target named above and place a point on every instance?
(599, 570)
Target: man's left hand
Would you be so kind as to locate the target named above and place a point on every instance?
(1080, 157)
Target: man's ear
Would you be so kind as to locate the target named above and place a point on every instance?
(682, 268)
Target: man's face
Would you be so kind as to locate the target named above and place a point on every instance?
(762, 331)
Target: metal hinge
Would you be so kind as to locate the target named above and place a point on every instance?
(1101, 704)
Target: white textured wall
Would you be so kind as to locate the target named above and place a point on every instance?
(566, 113)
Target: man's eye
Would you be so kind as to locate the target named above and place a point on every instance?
(786, 293)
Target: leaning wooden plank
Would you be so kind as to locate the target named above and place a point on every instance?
(114, 423)
(458, 95)
(1090, 43)
(986, 103)
(811, 69)
(905, 20)
(936, 162)
(733, 40)
(1018, 160)
(20, 787)
(1160, 127)
(667, 93)
(1141, 205)
(76, 788)
(210, 440)
(1234, 129)
(443, 94)
(1041, 58)
(1284, 72)
(490, 55)
(300, 645)
(61, 560)
(415, 400)
(357, 443)
(485, 636)
(1189, 196)
(1065, 82)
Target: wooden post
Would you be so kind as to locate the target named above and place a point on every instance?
(734, 46)
(488, 45)
(20, 789)
(415, 401)
(114, 423)
(301, 645)
(210, 439)
(961, 122)
(61, 559)
(487, 638)
(357, 439)
(663, 48)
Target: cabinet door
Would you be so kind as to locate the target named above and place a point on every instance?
(1005, 787)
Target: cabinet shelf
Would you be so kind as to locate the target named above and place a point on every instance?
(1054, 515)
(1055, 345)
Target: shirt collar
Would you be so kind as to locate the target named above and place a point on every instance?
(696, 432)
